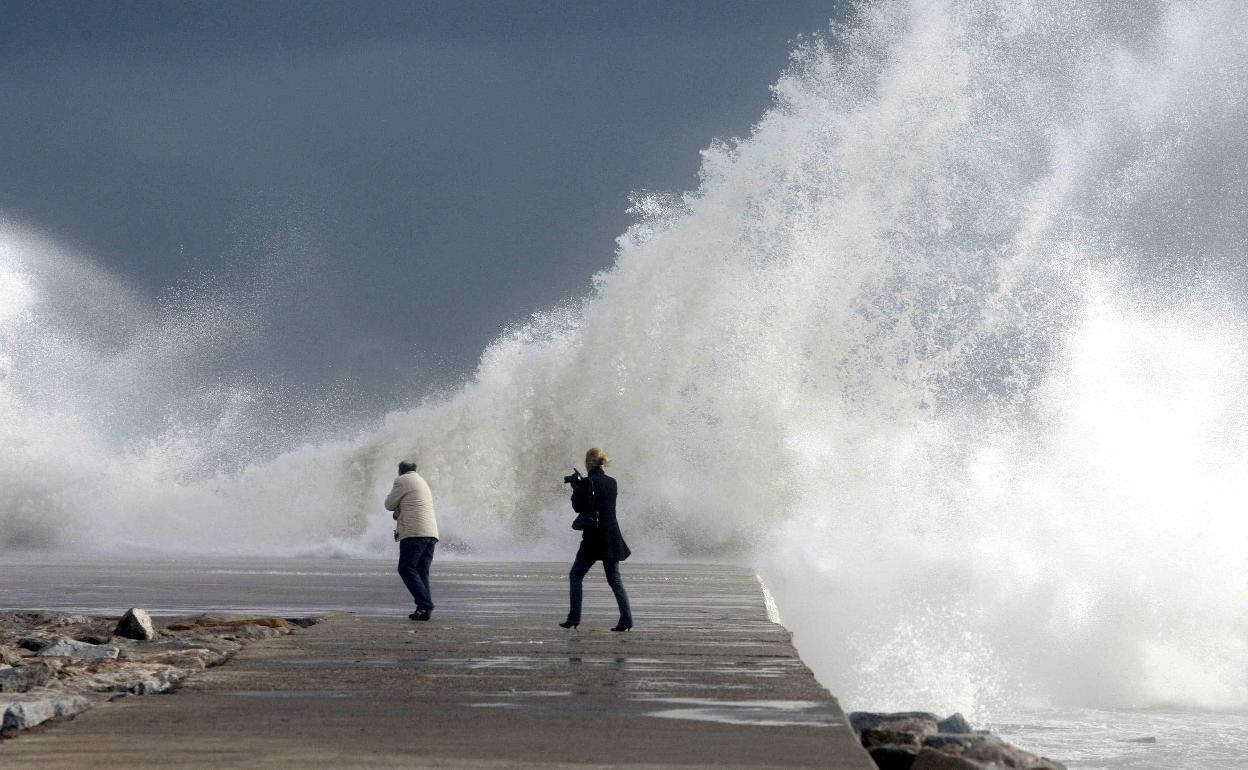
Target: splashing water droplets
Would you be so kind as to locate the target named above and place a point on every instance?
(950, 347)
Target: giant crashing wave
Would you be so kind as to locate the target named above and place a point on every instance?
(950, 347)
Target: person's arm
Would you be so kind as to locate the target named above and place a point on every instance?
(396, 494)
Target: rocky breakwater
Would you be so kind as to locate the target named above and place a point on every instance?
(917, 740)
(56, 665)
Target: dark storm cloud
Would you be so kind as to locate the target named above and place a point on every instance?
(407, 177)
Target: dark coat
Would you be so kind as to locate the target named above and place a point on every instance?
(604, 541)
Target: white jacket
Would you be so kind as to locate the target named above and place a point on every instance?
(412, 503)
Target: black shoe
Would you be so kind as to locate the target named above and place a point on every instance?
(622, 627)
(568, 624)
(420, 615)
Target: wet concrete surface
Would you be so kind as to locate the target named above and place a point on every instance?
(704, 680)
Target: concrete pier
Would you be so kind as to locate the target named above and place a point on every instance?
(704, 680)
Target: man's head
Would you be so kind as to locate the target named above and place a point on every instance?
(407, 466)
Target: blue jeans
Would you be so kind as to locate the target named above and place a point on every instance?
(415, 556)
(576, 577)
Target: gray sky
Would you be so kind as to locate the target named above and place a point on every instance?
(403, 178)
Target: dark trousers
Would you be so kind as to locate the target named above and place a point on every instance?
(576, 577)
(415, 556)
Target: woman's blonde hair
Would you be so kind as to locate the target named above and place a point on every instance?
(596, 458)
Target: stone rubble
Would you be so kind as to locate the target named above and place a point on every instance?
(917, 740)
(55, 665)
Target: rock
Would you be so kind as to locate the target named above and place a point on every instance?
(71, 648)
(207, 622)
(231, 634)
(205, 619)
(152, 684)
(866, 720)
(251, 632)
(879, 736)
(26, 678)
(955, 723)
(214, 643)
(893, 757)
(304, 622)
(195, 660)
(931, 759)
(53, 619)
(991, 750)
(136, 624)
(944, 741)
(138, 679)
(55, 665)
(31, 711)
(917, 725)
(32, 619)
(150, 650)
(34, 643)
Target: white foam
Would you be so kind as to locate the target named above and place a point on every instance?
(950, 348)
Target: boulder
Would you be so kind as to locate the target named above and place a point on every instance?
(34, 643)
(219, 649)
(931, 759)
(138, 679)
(71, 648)
(57, 619)
(946, 741)
(233, 634)
(9, 656)
(893, 757)
(954, 723)
(32, 619)
(916, 725)
(31, 711)
(26, 678)
(991, 750)
(866, 720)
(136, 624)
(154, 682)
(253, 632)
(879, 736)
(209, 622)
(194, 659)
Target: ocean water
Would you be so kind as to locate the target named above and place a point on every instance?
(1146, 739)
(951, 348)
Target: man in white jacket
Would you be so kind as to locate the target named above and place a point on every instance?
(416, 530)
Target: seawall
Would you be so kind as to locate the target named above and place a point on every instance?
(706, 679)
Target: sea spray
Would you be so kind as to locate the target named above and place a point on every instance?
(949, 347)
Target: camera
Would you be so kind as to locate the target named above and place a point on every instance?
(572, 477)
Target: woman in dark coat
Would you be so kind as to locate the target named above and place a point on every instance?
(601, 543)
